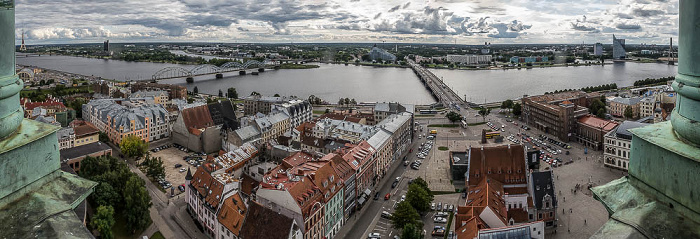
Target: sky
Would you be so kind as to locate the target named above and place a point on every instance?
(402, 21)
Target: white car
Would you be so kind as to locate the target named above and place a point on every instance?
(374, 235)
(440, 220)
(403, 197)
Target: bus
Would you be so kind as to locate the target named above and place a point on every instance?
(433, 131)
(493, 134)
(464, 124)
(428, 112)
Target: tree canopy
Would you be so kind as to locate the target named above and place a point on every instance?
(517, 109)
(133, 146)
(137, 201)
(410, 232)
(404, 214)
(484, 112)
(418, 198)
(597, 107)
(103, 220)
(453, 116)
(628, 112)
(231, 93)
(507, 104)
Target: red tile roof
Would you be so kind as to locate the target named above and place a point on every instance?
(488, 193)
(197, 118)
(207, 187)
(595, 122)
(275, 224)
(232, 213)
(505, 164)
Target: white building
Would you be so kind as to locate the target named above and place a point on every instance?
(470, 59)
(299, 111)
(618, 144)
(598, 49)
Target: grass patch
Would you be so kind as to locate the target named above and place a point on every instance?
(443, 148)
(298, 66)
(319, 112)
(475, 124)
(157, 235)
(444, 125)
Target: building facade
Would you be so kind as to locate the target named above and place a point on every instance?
(598, 49)
(591, 131)
(119, 118)
(616, 106)
(470, 59)
(619, 52)
(555, 114)
(378, 54)
(174, 91)
(618, 144)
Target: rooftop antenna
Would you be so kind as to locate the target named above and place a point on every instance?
(670, 52)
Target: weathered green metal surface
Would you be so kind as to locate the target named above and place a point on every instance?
(47, 212)
(686, 115)
(661, 196)
(10, 111)
(36, 198)
(27, 155)
(635, 213)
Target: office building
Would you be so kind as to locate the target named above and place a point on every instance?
(378, 54)
(598, 49)
(528, 59)
(555, 114)
(469, 59)
(174, 91)
(158, 97)
(383, 110)
(619, 52)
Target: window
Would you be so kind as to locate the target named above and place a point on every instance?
(551, 214)
(539, 215)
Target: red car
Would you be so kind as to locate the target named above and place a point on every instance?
(387, 196)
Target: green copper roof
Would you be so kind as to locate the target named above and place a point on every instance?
(48, 211)
(636, 214)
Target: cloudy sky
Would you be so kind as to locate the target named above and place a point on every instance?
(431, 21)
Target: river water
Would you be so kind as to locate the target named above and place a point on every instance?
(365, 83)
(497, 85)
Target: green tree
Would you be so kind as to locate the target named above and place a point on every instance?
(600, 113)
(353, 102)
(106, 195)
(195, 90)
(484, 112)
(404, 214)
(410, 232)
(423, 184)
(418, 198)
(221, 93)
(508, 104)
(517, 109)
(347, 101)
(327, 110)
(628, 112)
(103, 220)
(596, 106)
(453, 116)
(231, 93)
(341, 102)
(277, 95)
(103, 137)
(154, 167)
(133, 146)
(136, 204)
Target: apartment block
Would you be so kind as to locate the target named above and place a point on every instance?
(555, 114)
(119, 118)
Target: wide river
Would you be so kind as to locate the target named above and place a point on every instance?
(364, 83)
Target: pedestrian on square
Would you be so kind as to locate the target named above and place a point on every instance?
(584, 222)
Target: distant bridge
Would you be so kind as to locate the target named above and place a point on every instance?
(207, 69)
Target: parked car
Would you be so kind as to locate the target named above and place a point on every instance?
(376, 196)
(440, 220)
(464, 194)
(181, 187)
(439, 207)
(386, 214)
(394, 184)
(182, 170)
(387, 196)
(374, 235)
(178, 165)
(432, 206)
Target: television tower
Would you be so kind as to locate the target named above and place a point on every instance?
(670, 53)
(22, 47)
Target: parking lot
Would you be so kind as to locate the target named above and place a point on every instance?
(171, 157)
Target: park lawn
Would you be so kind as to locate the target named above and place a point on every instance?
(157, 235)
(443, 148)
(319, 112)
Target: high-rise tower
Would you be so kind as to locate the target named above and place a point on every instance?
(22, 47)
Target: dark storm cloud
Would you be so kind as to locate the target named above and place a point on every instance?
(406, 5)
